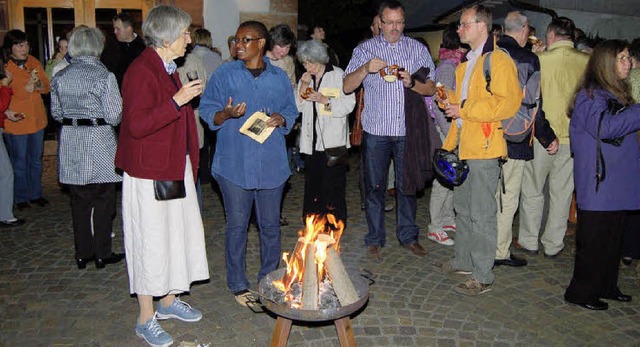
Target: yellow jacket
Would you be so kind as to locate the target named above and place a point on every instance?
(561, 68)
(481, 136)
(29, 103)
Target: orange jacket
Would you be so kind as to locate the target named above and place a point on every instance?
(35, 115)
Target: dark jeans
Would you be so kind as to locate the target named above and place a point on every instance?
(324, 187)
(598, 249)
(378, 151)
(99, 199)
(237, 208)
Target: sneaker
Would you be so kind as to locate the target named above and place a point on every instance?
(245, 298)
(178, 310)
(449, 228)
(447, 268)
(389, 204)
(472, 288)
(440, 237)
(153, 333)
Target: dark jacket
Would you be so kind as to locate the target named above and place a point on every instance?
(541, 129)
(421, 139)
(155, 135)
(117, 56)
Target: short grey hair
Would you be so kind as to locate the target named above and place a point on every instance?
(163, 25)
(86, 41)
(312, 51)
(514, 22)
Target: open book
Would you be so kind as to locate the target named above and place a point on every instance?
(256, 127)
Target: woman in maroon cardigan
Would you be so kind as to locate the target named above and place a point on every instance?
(164, 239)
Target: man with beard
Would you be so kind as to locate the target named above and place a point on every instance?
(383, 121)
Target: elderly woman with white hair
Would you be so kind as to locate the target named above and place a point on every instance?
(325, 110)
(158, 153)
(86, 100)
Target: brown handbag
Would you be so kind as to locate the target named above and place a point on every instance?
(356, 131)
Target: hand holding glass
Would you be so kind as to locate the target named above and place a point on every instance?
(192, 75)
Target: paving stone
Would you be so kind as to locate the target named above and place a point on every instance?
(46, 301)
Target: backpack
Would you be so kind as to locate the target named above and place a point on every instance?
(518, 127)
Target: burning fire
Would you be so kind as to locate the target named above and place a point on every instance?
(322, 232)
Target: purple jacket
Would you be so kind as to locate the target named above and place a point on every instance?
(620, 189)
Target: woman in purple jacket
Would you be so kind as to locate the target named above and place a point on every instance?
(605, 151)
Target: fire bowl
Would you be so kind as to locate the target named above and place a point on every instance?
(320, 315)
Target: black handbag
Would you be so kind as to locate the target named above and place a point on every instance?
(336, 155)
(169, 190)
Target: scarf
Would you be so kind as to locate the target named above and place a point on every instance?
(170, 67)
(454, 55)
(19, 62)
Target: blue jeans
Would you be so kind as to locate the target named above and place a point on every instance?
(25, 152)
(6, 184)
(237, 207)
(378, 151)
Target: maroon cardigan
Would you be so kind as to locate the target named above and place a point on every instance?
(154, 134)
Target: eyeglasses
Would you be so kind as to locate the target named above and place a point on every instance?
(398, 23)
(624, 58)
(244, 40)
(466, 24)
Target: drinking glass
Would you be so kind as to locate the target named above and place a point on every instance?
(192, 75)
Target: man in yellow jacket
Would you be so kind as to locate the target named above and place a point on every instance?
(477, 114)
(561, 67)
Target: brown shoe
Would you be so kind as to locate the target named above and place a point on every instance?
(416, 248)
(373, 251)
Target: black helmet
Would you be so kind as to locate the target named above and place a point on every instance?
(449, 168)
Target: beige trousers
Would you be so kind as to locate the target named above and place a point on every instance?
(557, 171)
(512, 172)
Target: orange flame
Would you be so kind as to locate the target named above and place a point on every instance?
(323, 231)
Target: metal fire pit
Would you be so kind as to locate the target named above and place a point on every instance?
(339, 315)
(284, 310)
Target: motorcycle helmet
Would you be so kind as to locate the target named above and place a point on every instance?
(449, 168)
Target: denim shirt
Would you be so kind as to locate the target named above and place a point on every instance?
(238, 158)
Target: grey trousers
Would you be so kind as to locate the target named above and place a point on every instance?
(476, 221)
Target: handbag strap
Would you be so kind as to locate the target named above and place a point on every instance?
(316, 87)
(600, 165)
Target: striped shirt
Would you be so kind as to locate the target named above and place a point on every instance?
(383, 112)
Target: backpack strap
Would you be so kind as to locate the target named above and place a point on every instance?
(486, 69)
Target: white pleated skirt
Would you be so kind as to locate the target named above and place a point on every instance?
(164, 240)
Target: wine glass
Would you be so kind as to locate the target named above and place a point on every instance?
(192, 75)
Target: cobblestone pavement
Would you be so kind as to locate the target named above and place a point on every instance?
(46, 301)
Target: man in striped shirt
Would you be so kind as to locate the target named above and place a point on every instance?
(383, 121)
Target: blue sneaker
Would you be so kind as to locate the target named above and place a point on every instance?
(153, 333)
(178, 310)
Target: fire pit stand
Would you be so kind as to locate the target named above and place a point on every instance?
(287, 314)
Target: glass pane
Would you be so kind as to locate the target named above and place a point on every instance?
(63, 23)
(35, 23)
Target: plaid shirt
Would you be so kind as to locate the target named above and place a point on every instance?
(383, 112)
(86, 90)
